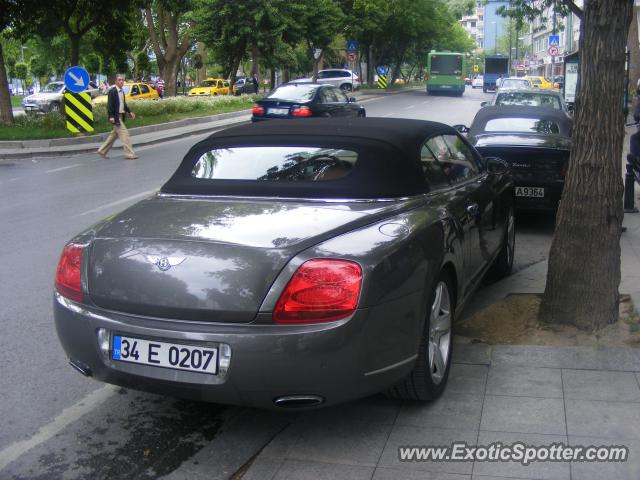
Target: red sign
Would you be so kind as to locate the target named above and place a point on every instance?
(553, 50)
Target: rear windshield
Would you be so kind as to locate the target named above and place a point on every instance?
(446, 65)
(508, 82)
(528, 99)
(52, 87)
(495, 65)
(287, 164)
(298, 92)
(529, 125)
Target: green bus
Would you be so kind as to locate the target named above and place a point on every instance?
(444, 72)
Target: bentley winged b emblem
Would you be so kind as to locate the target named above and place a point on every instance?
(164, 263)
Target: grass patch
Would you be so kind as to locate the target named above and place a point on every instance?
(148, 112)
(16, 100)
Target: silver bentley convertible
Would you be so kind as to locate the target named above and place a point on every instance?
(291, 264)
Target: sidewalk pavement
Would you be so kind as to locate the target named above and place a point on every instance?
(147, 135)
(538, 395)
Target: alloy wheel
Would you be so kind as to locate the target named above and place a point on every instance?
(439, 333)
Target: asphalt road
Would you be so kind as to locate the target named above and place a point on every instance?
(57, 423)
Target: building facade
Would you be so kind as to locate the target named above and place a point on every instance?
(538, 60)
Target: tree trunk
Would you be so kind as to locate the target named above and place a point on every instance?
(202, 72)
(255, 63)
(584, 261)
(170, 77)
(6, 112)
(634, 53)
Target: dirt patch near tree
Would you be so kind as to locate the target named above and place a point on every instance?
(514, 321)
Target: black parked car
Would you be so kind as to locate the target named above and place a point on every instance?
(245, 85)
(299, 100)
(535, 142)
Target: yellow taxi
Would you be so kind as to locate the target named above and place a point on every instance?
(211, 86)
(539, 82)
(133, 91)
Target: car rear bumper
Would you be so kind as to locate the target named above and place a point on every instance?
(552, 194)
(334, 361)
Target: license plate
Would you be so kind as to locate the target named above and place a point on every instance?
(536, 192)
(167, 355)
(278, 111)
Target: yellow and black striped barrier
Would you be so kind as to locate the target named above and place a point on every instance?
(77, 108)
(382, 81)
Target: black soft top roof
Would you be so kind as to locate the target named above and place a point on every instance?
(488, 113)
(388, 162)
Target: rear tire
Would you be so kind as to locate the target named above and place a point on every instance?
(55, 107)
(362, 114)
(345, 87)
(503, 263)
(429, 376)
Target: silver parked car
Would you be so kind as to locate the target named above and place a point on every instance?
(291, 264)
(345, 80)
(51, 97)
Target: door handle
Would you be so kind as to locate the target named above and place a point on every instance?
(473, 209)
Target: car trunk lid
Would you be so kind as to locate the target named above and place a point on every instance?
(209, 260)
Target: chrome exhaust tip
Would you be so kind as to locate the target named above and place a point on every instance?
(81, 367)
(298, 401)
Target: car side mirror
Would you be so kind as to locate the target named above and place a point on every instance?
(484, 104)
(496, 166)
(461, 128)
(352, 99)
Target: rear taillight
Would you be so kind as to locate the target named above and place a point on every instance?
(68, 272)
(301, 112)
(257, 110)
(321, 290)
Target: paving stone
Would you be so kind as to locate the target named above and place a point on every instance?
(591, 418)
(477, 354)
(467, 379)
(525, 381)
(375, 409)
(523, 415)
(484, 477)
(351, 443)
(538, 470)
(263, 469)
(601, 385)
(586, 358)
(386, 473)
(628, 470)
(406, 436)
(451, 410)
(303, 470)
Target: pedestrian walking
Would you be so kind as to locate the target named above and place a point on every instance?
(117, 109)
(160, 87)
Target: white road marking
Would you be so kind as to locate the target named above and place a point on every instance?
(68, 416)
(410, 107)
(118, 202)
(388, 115)
(63, 168)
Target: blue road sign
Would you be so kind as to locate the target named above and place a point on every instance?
(76, 79)
(382, 70)
(352, 46)
(554, 40)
